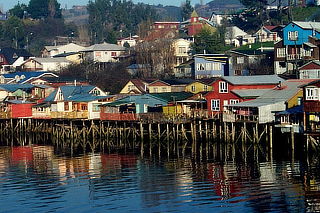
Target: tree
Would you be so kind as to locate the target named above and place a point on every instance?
(256, 4)
(186, 10)
(157, 58)
(113, 17)
(19, 10)
(39, 9)
(13, 31)
(208, 41)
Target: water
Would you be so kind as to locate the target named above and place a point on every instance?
(37, 179)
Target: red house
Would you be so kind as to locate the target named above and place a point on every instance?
(234, 89)
(19, 109)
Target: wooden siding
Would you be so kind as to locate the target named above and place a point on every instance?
(21, 110)
(118, 116)
(311, 106)
(70, 115)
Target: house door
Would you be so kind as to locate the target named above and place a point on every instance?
(138, 108)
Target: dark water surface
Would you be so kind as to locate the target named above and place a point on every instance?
(36, 179)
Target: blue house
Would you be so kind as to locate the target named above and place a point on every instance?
(298, 32)
(299, 45)
(211, 65)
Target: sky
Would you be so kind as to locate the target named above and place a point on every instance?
(8, 4)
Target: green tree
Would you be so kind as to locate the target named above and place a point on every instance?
(44, 8)
(208, 41)
(13, 31)
(256, 4)
(18, 10)
(116, 17)
(186, 10)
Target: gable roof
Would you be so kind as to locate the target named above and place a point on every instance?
(69, 92)
(283, 93)
(23, 77)
(308, 25)
(12, 54)
(104, 47)
(249, 93)
(310, 62)
(49, 60)
(253, 79)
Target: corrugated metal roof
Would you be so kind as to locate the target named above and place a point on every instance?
(307, 24)
(104, 47)
(245, 93)
(310, 44)
(69, 92)
(287, 90)
(254, 79)
(15, 87)
(171, 96)
(51, 60)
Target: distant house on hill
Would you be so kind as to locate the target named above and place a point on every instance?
(45, 64)
(161, 30)
(10, 56)
(103, 52)
(50, 51)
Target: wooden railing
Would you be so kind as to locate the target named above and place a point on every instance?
(70, 115)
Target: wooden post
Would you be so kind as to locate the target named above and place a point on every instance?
(142, 139)
(159, 140)
(150, 139)
(292, 139)
(168, 141)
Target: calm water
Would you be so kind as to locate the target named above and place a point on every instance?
(35, 179)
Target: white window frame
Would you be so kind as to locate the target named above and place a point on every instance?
(312, 94)
(205, 87)
(281, 52)
(234, 101)
(193, 88)
(200, 67)
(215, 104)
(240, 60)
(223, 87)
(208, 66)
(293, 35)
(216, 66)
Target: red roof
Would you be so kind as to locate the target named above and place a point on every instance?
(269, 27)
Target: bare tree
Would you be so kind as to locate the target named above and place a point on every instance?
(157, 57)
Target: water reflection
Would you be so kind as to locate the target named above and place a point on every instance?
(35, 178)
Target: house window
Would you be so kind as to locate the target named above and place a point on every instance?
(215, 104)
(59, 96)
(281, 52)
(182, 50)
(237, 72)
(293, 35)
(240, 60)
(155, 90)
(95, 92)
(113, 54)
(312, 94)
(208, 66)
(66, 106)
(131, 87)
(84, 107)
(234, 101)
(216, 66)
(98, 54)
(200, 67)
(193, 88)
(223, 87)
(205, 87)
(164, 89)
(96, 107)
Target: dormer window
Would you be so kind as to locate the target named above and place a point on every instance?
(15, 55)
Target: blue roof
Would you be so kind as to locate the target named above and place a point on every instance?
(294, 110)
(74, 93)
(15, 87)
(85, 98)
(26, 75)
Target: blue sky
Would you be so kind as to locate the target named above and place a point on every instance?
(8, 4)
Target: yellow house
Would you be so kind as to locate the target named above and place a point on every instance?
(135, 86)
(201, 85)
(161, 86)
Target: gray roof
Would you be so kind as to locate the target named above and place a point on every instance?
(283, 93)
(253, 79)
(104, 47)
(50, 60)
(49, 48)
(307, 24)
(310, 44)
(246, 93)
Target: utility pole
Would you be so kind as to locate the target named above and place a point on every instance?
(15, 35)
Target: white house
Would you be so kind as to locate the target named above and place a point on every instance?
(50, 51)
(103, 52)
(45, 64)
(236, 37)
